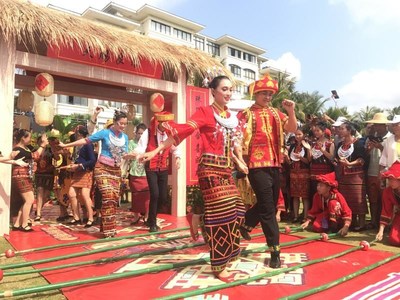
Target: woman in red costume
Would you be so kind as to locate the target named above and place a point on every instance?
(224, 210)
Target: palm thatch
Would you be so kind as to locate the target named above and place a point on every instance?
(32, 24)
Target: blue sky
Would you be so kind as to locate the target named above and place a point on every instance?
(348, 45)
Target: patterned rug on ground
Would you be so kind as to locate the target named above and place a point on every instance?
(380, 283)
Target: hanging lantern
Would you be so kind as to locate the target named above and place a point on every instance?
(44, 84)
(156, 102)
(44, 113)
(130, 111)
(25, 100)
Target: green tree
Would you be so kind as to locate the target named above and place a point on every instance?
(392, 112)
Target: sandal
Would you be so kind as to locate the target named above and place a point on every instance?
(16, 228)
(37, 219)
(27, 228)
(89, 224)
(74, 222)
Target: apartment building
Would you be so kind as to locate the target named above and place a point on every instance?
(242, 58)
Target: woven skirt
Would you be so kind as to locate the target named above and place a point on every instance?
(82, 179)
(140, 193)
(21, 179)
(108, 180)
(223, 214)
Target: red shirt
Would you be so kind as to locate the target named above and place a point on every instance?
(389, 202)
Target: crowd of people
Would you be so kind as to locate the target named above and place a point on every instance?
(253, 166)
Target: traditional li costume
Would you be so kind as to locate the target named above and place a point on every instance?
(223, 208)
(157, 167)
(264, 151)
(299, 172)
(44, 175)
(107, 174)
(352, 178)
(138, 183)
(330, 213)
(391, 205)
(86, 158)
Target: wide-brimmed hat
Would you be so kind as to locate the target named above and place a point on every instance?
(393, 171)
(396, 119)
(164, 116)
(329, 179)
(109, 123)
(264, 84)
(379, 118)
(339, 121)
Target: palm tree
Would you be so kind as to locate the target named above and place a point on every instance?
(365, 114)
(393, 111)
(308, 104)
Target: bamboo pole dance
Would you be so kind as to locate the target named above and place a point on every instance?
(165, 267)
(363, 246)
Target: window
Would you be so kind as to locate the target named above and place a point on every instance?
(111, 104)
(234, 52)
(249, 74)
(199, 43)
(213, 48)
(183, 35)
(73, 100)
(160, 27)
(236, 70)
(237, 89)
(249, 57)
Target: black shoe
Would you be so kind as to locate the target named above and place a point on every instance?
(89, 224)
(74, 222)
(244, 233)
(275, 261)
(27, 228)
(154, 228)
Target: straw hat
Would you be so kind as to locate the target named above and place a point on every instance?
(379, 118)
(164, 116)
(108, 124)
(339, 121)
(264, 84)
(393, 171)
(329, 179)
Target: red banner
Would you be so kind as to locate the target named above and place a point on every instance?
(104, 59)
(195, 98)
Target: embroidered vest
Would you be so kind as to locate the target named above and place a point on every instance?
(160, 162)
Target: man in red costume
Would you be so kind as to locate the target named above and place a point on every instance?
(263, 150)
(157, 167)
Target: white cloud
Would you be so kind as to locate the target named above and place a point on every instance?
(287, 62)
(373, 12)
(371, 88)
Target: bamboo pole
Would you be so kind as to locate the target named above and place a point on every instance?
(49, 287)
(341, 280)
(21, 252)
(257, 277)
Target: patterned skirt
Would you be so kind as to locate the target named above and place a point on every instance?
(108, 180)
(21, 179)
(140, 193)
(352, 187)
(300, 183)
(82, 179)
(45, 181)
(223, 214)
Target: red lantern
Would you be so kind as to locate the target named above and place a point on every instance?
(44, 84)
(25, 100)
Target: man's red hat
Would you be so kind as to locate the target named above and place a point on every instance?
(393, 171)
(329, 179)
(264, 84)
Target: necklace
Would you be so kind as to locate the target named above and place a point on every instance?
(316, 151)
(116, 141)
(344, 152)
(231, 122)
(300, 154)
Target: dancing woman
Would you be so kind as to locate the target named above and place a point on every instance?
(107, 172)
(224, 209)
(22, 176)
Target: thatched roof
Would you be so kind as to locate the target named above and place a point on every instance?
(33, 24)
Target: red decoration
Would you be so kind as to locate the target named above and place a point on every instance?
(157, 102)
(9, 253)
(1, 274)
(41, 82)
(196, 97)
(324, 237)
(365, 245)
(106, 60)
(287, 229)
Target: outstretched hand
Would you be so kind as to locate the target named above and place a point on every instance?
(148, 156)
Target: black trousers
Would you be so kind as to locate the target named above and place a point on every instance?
(158, 185)
(266, 184)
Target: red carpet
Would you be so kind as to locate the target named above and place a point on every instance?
(195, 277)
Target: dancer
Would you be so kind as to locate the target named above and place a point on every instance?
(138, 182)
(223, 208)
(263, 150)
(22, 175)
(330, 211)
(107, 172)
(391, 205)
(84, 161)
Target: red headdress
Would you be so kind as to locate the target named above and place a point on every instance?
(393, 171)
